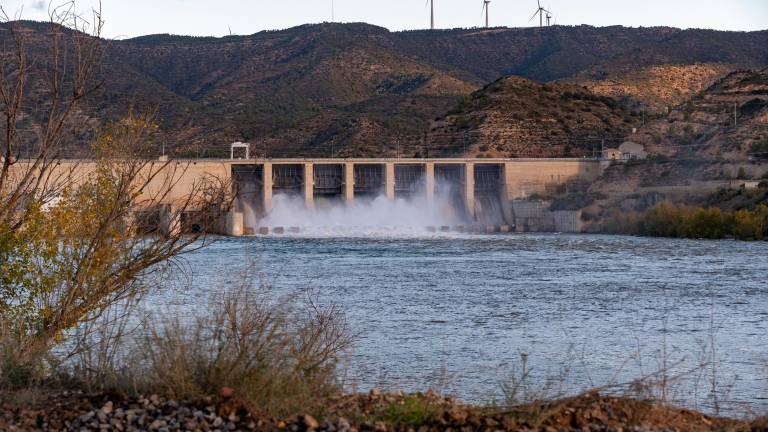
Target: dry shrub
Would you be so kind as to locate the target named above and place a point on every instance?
(96, 357)
(15, 373)
(280, 356)
(521, 388)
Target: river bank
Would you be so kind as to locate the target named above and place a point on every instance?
(373, 411)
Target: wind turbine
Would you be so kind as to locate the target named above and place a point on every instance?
(540, 11)
(486, 7)
(431, 4)
(549, 17)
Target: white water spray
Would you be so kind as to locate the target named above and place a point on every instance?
(363, 216)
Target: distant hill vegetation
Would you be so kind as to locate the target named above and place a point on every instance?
(727, 121)
(655, 89)
(360, 90)
(517, 117)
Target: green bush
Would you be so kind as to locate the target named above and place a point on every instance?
(664, 220)
(465, 104)
(747, 225)
(708, 223)
(674, 220)
(760, 149)
(413, 411)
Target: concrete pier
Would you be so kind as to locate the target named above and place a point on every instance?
(429, 180)
(170, 220)
(235, 224)
(309, 185)
(389, 179)
(469, 188)
(349, 182)
(506, 191)
(267, 191)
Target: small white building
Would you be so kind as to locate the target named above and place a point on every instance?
(632, 150)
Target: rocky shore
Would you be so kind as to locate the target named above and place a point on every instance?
(374, 412)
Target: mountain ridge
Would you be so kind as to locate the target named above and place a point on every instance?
(358, 89)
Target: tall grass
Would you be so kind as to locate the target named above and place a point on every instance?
(278, 357)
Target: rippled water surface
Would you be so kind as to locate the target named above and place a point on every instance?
(605, 307)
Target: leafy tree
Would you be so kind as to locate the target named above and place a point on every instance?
(670, 220)
(69, 244)
(748, 225)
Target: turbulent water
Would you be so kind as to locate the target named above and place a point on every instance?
(364, 217)
(458, 311)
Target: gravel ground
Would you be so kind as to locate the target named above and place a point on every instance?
(375, 412)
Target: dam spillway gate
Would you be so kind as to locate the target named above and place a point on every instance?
(288, 179)
(409, 180)
(488, 190)
(450, 183)
(369, 180)
(248, 183)
(327, 184)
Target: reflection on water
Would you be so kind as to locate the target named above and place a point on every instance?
(472, 304)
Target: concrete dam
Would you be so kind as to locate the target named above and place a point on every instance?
(488, 195)
(290, 195)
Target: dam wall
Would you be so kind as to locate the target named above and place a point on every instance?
(482, 191)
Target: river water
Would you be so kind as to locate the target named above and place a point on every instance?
(457, 311)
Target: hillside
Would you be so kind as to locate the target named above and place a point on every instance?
(700, 155)
(654, 89)
(721, 123)
(357, 89)
(517, 117)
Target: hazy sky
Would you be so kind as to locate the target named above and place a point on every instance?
(128, 18)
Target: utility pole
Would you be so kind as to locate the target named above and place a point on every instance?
(602, 147)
